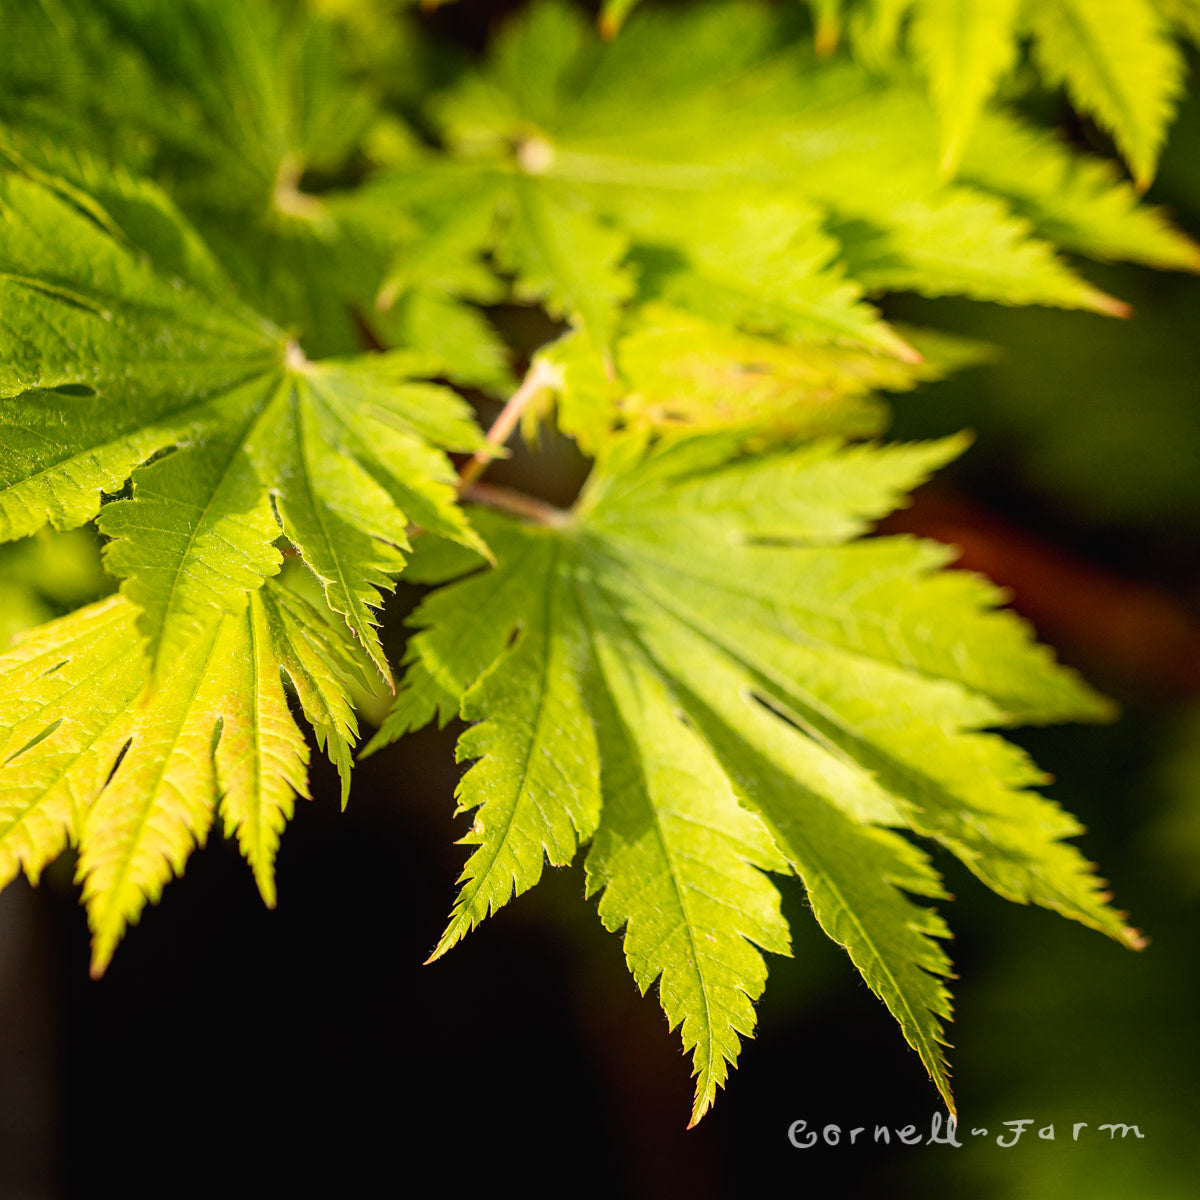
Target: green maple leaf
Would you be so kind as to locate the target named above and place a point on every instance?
(231, 104)
(702, 671)
(131, 366)
(1115, 57)
(134, 776)
(676, 370)
(111, 361)
(699, 671)
(701, 162)
(567, 173)
(1118, 64)
(965, 47)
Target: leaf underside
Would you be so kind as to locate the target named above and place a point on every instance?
(706, 676)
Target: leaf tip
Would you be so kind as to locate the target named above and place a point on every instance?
(440, 949)
(459, 926)
(899, 347)
(483, 550)
(102, 954)
(1134, 939)
(266, 889)
(1110, 306)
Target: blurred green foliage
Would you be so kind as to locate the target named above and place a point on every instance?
(47, 576)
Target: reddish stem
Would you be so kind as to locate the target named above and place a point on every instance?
(516, 503)
(539, 376)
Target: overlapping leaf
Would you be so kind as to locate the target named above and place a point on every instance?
(232, 103)
(694, 671)
(134, 776)
(702, 158)
(249, 88)
(437, 267)
(1115, 57)
(676, 370)
(697, 657)
(109, 361)
(699, 158)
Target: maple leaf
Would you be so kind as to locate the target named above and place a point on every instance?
(736, 183)
(130, 365)
(133, 85)
(1115, 57)
(559, 178)
(698, 672)
(136, 775)
(111, 362)
(676, 370)
(700, 669)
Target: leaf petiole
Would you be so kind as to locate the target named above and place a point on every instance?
(540, 375)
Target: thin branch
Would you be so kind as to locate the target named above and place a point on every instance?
(517, 503)
(540, 375)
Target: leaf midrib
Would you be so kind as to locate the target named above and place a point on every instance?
(465, 901)
(709, 1073)
(178, 573)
